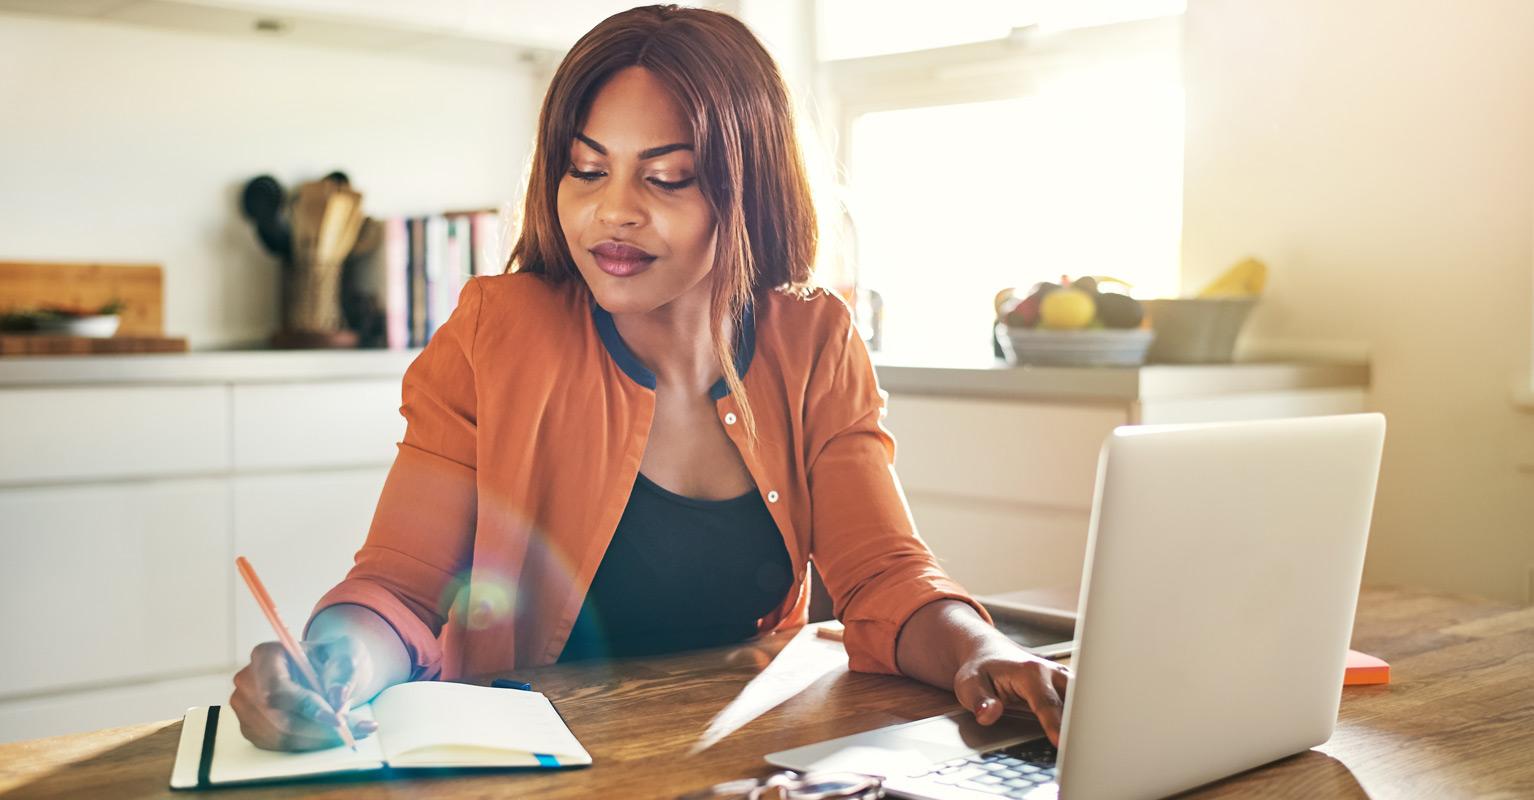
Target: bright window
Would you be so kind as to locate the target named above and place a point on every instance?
(1079, 173)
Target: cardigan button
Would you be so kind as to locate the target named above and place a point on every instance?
(772, 496)
(729, 418)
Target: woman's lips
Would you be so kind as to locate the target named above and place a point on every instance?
(621, 260)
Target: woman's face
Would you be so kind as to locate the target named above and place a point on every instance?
(635, 221)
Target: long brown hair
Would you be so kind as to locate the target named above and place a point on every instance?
(749, 164)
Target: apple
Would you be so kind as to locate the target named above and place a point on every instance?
(1066, 309)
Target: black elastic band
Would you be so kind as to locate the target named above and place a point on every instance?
(205, 765)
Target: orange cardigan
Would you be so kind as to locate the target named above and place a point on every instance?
(526, 421)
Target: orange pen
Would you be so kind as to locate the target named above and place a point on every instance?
(289, 644)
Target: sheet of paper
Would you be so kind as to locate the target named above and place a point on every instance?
(431, 722)
(236, 759)
(804, 660)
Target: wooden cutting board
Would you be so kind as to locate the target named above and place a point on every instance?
(25, 284)
(139, 287)
(41, 344)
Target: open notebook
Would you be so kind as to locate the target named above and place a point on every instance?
(423, 724)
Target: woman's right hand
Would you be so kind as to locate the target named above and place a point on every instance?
(278, 711)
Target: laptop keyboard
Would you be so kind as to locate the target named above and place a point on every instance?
(1016, 771)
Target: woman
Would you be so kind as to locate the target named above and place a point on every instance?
(636, 439)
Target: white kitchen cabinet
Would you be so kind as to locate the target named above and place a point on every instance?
(1001, 490)
(75, 433)
(301, 532)
(1255, 405)
(112, 583)
(127, 487)
(110, 707)
(1001, 547)
(316, 424)
(1001, 487)
(1029, 453)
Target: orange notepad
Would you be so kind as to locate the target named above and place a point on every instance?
(1364, 669)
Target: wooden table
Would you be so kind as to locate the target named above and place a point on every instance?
(1457, 720)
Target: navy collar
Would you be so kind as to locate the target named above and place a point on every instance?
(631, 366)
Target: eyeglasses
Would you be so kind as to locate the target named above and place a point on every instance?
(796, 786)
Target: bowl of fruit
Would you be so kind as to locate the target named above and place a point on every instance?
(66, 320)
(1072, 324)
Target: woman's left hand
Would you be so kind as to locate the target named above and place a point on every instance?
(1000, 673)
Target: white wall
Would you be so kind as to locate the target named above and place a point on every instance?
(124, 143)
(1379, 156)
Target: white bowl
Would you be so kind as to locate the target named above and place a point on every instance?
(100, 326)
(1098, 347)
(1191, 330)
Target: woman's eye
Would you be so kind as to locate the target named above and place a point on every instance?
(670, 186)
(673, 186)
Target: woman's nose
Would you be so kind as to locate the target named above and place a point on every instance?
(618, 206)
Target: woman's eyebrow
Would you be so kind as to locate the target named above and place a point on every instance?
(654, 152)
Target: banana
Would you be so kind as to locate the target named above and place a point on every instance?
(1245, 279)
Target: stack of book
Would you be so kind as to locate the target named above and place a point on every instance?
(425, 262)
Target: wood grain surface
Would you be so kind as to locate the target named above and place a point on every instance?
(26, 284)
(40, 344)
(1457, 720)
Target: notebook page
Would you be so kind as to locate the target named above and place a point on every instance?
(456, 724)
(236, 759)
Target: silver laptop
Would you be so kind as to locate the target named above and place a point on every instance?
(1222, 574)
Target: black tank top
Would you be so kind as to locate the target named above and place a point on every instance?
(681, 573)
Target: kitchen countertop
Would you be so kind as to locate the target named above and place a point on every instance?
(974, 378)
(997, 379)
(205, 366)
